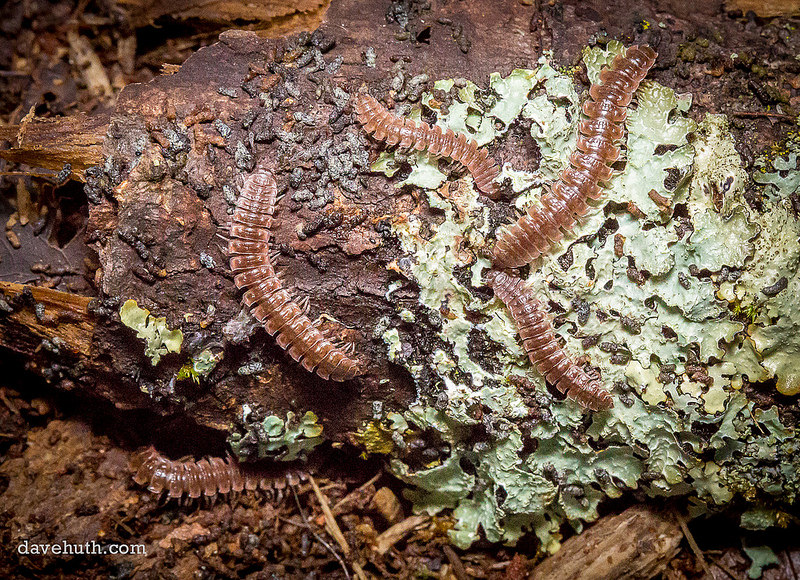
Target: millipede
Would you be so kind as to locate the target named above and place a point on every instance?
(589, 165)
(264, 293)
(384, 126)
(207, 477)
(541, 344)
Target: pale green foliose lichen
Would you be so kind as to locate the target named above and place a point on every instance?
(271, 436)
(200, 365)
(159, 339)
(760, 558)
(662, 320)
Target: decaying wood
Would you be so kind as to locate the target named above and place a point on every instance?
(638, 543)
(173, 152)
(88, 62)
(53, 143)
(274, 17)
(45, 314)
(765, 8)
(168, 165)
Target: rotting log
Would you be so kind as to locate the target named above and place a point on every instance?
(636, 544)
(174, 153)
(163, 169)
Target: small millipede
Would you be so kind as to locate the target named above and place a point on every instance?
(589, 166)
(541, 344)
(384, 126)
(207, 478)
(264, 293)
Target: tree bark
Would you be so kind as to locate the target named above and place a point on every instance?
(638, 543)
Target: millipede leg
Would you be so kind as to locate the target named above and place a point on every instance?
(304, 304)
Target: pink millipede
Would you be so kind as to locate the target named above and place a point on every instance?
(385, 126)
(541, 344)
(590, 165)
(208, 477)
(264, 292)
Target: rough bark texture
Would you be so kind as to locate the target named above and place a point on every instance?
(273, 17)
(62, 317)
(53, 143)
(634, 544)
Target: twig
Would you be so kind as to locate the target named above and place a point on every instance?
(338, 505)
(692, 544)
(123, 525)
(316, 535)
(363, 486)
(397, 532)
(330, 521)
(333, 527)
(755, 421)
(455, 562)
(45, 175)
(294, 523)
(500, 565)
(762, 114)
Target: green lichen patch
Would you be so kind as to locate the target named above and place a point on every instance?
(199, 366)
(159, 339)
(271, 436)
(768, 288)
(653, 296)
(760, 557)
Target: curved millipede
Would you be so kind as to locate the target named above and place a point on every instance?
(264, 293)
(589, 166)
(541, 344)
(208, 477)
(384, 126)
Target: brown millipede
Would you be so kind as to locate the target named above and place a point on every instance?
(207, 477)
(264, 293)
(589, 165)
(384, 126)
(541, 344)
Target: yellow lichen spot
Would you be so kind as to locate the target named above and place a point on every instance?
(375, 438)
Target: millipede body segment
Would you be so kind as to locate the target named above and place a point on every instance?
(541, 344)
(384, 126)
(207, 477)
(589, 165)
(264, 293)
